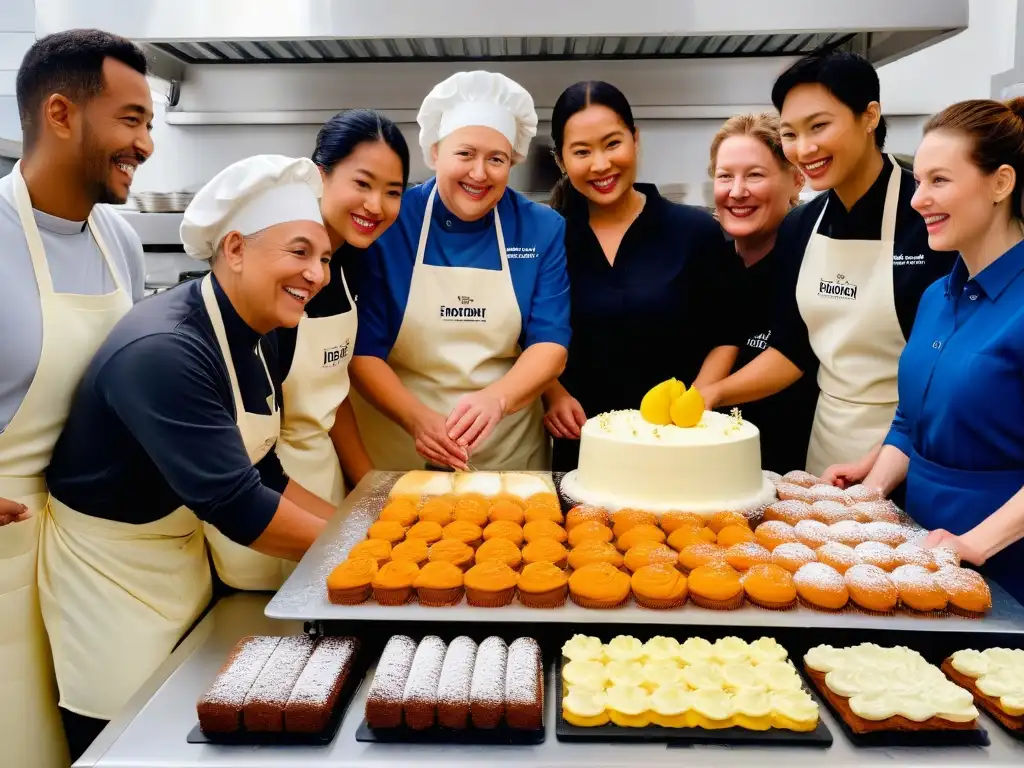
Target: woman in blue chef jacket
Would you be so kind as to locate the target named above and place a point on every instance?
(958, 434)
(464, 313)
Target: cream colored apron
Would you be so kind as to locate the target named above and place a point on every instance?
(460, 333)
(845, 296)
(118, 597)
(74, 326)
(316, 385)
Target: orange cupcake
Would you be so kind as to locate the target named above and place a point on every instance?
(801, 478)
(719, 520)
(350, 583)
(426, 530)
(594, 551)
(437, 511)
(813, 533)
(701, 553)
(911, 554)
(683, 537)
(625, 519)
(638, 533)
(792, 555)
(378, 549)
(413, 550)
(919, 590)
(499, 550)
(585, 513)
(589, 530)
(734, 534)
(839, 556)
(401, 512)
(392, 584)
(471, 511)
(386, 530)
(439, 583)
(650, 553)
(821, 586)
(554, 514)
(831, 512)
(599, 585)
(871, 588)
(769, 586)
(769, 535)
(716, 586)
(673, 521)
(543, 585)
(504, 529)
(746, 555)
(490, 584)
(506, 510)
(793, 491)
(659, 587)
(967, 591)
(451, 551)
(544, 529)
(878, 554)
(790, 511)
(464, 531)
(547, 551)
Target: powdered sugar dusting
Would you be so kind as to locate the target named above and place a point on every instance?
(235, 680)
(393, 670)
(457, 672)
(425, 672)
(522, 674)
(488, 685)
(275, 683)
(330, 658)
(913, 576)
(818, 575)
(955, 580)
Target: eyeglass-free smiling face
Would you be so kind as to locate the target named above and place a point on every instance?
(752, 192)
(472, 166)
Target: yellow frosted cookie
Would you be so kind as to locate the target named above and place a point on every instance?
(629, 706)
(585, 709)
(624, 648)
(670, 707)
(662, 649)
(694, 650)
(714, 708)
(585, 674)
(658, 674)
(753, 709)
(583, 648)
(794, 710)
(627, 673)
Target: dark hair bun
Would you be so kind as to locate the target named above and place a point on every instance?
(1016, 105)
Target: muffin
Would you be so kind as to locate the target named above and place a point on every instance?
(506, 510)
(589, 530)
(769, 535)
(392, 584)
(838, 556)
(821, 586)
(599, 585)
(813, 533)
(386, 530)
(504, 529)
(437, 511)
(650, 553)
(919, 589)
(878, 554)
(716, 586)
(791, 491)
(470, 511)
(790, 511)
(659, 587)
(638, 533)
(426, 530)
(747, 554)
(594, 551)
(439, 583)
(378, 549)
(801, 478)
(943, 557)
(793, 555)
(412, 550)
(546, 551)
(554, 514)
(871, 588)
(848, 532)
(684, 536)
(543, 585)
(831, 512)
(734, 534)
(451, 551)
(490, 584)
(464, 531)
(625, 519)
(892, 534)
(967, 591)
(584, 513)
(911, 554)
(673, 521)
(825, 492)
(769, 586)
(350, 583)
(702, 553)
(719, 520)
(876, 512)
(861, 493)
(401, 512)
(499, 550)
(544, 529)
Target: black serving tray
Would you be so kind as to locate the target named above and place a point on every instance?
(500, 736)
(564, 731)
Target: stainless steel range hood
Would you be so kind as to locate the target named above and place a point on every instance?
(193, 32)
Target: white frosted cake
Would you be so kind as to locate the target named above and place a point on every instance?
(626, 461)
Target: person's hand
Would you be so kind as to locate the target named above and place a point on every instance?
(12, 512)
(711, 396)
(565, 417)
(960, 544)
(432, 442)
(474, 418)
(845, 475)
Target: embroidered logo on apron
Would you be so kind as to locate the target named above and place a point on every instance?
(465, 312)
(840, 288)
(760, 341)
(333, 356)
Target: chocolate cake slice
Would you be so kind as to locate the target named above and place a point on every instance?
(316, 692)
(220, 708)
(264, 705)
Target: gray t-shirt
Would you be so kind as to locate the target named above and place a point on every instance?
(76, 266)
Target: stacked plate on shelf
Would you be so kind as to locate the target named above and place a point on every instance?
(162, 202)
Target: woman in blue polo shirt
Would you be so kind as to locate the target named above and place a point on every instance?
(464, 313)
(958, 435)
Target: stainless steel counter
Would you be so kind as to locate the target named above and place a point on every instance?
(151, 734)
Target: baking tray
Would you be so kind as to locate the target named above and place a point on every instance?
(979, 700)
(820, 737)
(303, 596)
(497, 737)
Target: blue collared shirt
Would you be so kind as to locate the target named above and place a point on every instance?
(961, 376)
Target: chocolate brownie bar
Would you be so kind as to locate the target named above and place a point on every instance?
(384, 700)
(453, 687)
(419, 702)
(487, 689)
(524, 685)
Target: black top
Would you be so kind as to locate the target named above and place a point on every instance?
(652, 315)
(915, 266)
(152, 424)
(330, 301)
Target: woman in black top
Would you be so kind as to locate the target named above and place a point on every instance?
(645, 274)
(755, 186)
(853, 263)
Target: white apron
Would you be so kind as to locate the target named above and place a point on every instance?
(316, 385)
(845, 296)
(74, 326)
(441, 356)
(118, 597)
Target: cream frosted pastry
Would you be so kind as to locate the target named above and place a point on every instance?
(704, 674)
(629, 673)
(695, 649)
(484, 483)
(583, 648)
(662, 649)
(658, 674)
(713, 704)
(624, 648)
(523, 485)
(998, 673)
(729, 649)
(421, 482)
(766, 649)
(585, 708)
(585, 674)
(779, 676)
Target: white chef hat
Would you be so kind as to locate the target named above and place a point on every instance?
(249, 196)
(479, 99)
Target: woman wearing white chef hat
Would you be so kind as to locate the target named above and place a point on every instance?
(173, 425)
(464, 313)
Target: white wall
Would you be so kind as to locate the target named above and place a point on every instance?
(17, 25)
